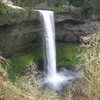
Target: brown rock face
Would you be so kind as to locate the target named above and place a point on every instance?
(19, 38)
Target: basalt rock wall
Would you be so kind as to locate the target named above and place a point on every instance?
(71, 28)
(20, 29)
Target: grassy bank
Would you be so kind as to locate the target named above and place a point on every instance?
(19, 63)
(91, 58)
(11, 91)
(67, 54)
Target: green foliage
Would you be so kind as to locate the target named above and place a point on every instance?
(10, 14)
(93, 5)
(27, 3)
(3, 8)
(67, 9)
(96, 7)
(77, 3)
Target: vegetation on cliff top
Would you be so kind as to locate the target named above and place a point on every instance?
(10, 14)
(89, 5)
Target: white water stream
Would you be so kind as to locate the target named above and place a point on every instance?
(52, 78)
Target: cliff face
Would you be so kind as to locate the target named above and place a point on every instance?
(19, 38)
(72, 29)
(20, 28)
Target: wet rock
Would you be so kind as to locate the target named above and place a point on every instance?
(71, 33)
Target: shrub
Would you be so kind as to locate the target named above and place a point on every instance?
(91, 58)
(16, 91)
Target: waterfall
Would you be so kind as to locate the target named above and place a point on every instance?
(52, 78)
(49, 41)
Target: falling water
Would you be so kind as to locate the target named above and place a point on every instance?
(49, 41)
(52, 78)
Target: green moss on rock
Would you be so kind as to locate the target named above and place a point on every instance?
(67, 54)
(19, 63)
(68, 9)
(10, 14)
(13, 46)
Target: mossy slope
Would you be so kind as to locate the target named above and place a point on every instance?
(18, 64)
(66, 55)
